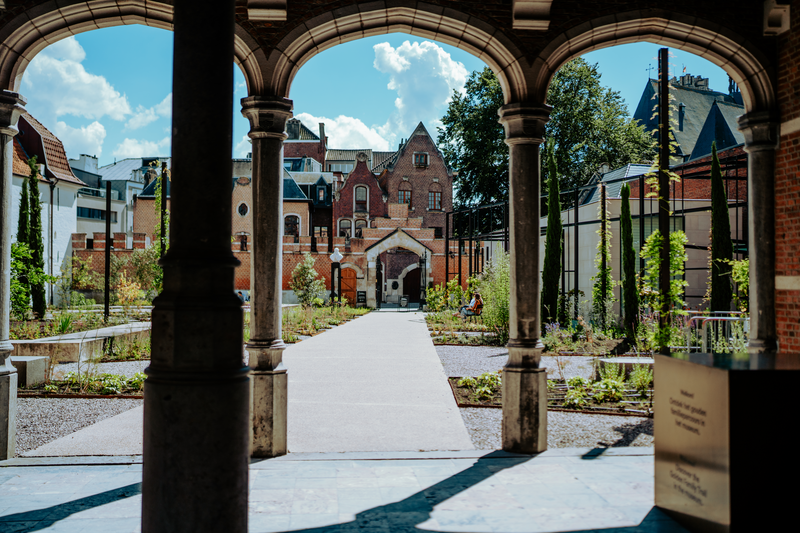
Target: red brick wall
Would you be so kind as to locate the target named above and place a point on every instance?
(787, 187)
(315, 150)
(343, 207)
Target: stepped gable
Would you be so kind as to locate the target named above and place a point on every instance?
(51, 152)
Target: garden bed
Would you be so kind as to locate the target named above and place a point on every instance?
(75, 385)
(580, 396)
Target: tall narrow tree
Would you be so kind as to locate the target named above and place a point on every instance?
(721, 245)
(552, 248)
(38, 295)
(630, 292)
(23, 285)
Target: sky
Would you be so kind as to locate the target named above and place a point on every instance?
(108, 92)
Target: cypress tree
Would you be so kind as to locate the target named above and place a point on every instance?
(23, 237)
(35, 242)
(721, 245)
(630, 293)
(551, 272)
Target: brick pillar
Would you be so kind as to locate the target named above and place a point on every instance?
(267, 118)
(524, 382)
(10, 109)
(196, 396)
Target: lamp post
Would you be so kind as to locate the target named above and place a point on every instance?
(423, 279)
(336, 267)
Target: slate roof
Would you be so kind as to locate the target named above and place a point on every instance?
(121, 170)
(150, 190)
(720, 127)
(291, 191)
(301, 133)
(381, 160)
(613, 190)
(698, 104)
(55, 157)
(311, 177)
(349, 154)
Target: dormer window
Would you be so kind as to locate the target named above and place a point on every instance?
(420, 159)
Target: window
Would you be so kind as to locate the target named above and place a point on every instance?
(242, 209)
(359, 225)
(242, 243)
(90, 244)
(97, 214)
(405, 197)
(437, 231)
(344, 230)
(435, 200)
(361, 198)
(320, 232)
(320, 194)
(420, 159)
(291, 225)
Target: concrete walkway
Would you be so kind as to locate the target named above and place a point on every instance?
(372, 384)
(577, 490)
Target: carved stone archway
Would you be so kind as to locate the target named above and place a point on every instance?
(396, 239)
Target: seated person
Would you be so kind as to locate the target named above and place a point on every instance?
(474, 308)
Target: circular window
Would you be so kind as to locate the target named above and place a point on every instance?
(395, 285)
(242, 209)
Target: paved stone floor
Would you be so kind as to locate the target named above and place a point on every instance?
(608, 490)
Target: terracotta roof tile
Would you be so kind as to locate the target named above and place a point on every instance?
(20, 167)
(55, 156)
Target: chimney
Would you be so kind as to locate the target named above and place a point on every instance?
(322, 142)
(293, 129)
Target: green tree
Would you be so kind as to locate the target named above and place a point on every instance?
(551, 273)
(305, 283)
(473, 141)
(21, 286)
(677, 261)
(589, 125)
(721, 245)
(495, 286)
(603, 288)
(38, 296)
(630, 292)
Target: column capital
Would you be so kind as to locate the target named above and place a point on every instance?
(524, 123)
(267, 116)
(11, 107)
(761, 131)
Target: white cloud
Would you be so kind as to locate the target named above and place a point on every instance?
(346, 132)
(244, 147)
(424, 77)
(56, 84)
(141, 148)
(145, 116)
(84, 140)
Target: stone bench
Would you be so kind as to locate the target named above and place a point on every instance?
(31, 370)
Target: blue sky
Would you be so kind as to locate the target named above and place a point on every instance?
(108, 92)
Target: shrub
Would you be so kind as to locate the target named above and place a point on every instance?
(305, 283)
(641, 377)
(608, 390)
(494, 286)
(576, 398)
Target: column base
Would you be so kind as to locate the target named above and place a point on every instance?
(8, 415)
(524, 410)
(268, 399)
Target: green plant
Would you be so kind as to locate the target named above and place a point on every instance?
(65, 323)
(641, 377)
(740, 272)
(650, 291)
(51, 387)
(612, 371)
(495, 289)
(109, 384)
(305, 283)
(608, 390)
(576, 398)
(578, 382)
(603, 288)
(483, 393)
(630, 293)
(136, 382)
(721, 244)
(551, 273)
(468, 381)
(37, 283)
(551, 384)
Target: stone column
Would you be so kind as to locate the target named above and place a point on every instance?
(197, 392)
(524, 382)
(761, 138)
(267, 118)
(10, 109)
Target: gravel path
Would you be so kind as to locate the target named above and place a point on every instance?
(462, 361)
(565, 430)
(42, 420)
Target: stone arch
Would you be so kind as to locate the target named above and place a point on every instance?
(26, 36)
(406, 270)
(396, 239)
(731, 52)
(349, 23)
(355, 268)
